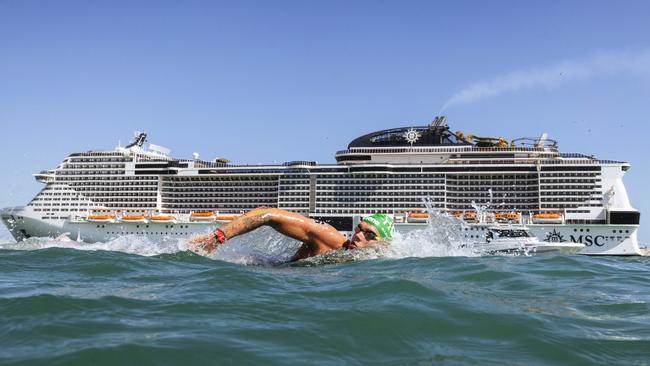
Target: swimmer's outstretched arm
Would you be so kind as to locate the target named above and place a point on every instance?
(291, 224)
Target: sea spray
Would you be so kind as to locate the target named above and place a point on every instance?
(441, 237)
(263, 246)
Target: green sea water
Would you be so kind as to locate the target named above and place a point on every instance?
(60, 304)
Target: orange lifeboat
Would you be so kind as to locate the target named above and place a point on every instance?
(163, 218)
(415, 217)
(226, 217)
(507, 216)
(469, 216)
(101, 218)
(547, 218)
(134, 218)
(203, 216)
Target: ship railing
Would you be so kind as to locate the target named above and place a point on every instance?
(277, 169)
(542, 162)
(387, 150)
(98, 153)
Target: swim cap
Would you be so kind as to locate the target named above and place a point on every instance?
(383, 223)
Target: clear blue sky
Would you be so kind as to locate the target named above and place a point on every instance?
(271, 81)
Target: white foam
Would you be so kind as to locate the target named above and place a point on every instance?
(442, 237)
(263, 246)
(132, 244)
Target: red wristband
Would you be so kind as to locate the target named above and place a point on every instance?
(219, 236)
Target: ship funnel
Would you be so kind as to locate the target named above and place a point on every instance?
(138, 140)
(541, 141)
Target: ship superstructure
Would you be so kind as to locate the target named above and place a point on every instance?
(561, 197)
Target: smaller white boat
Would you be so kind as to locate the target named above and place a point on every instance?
(519, 239)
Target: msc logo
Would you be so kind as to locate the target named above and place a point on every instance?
(589, 240)
(554, 237)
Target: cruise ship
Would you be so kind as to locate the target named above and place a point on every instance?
(140, 189)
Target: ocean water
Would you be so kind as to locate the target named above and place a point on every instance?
(426, 300)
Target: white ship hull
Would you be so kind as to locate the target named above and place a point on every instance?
(22, 225)
(598, 239)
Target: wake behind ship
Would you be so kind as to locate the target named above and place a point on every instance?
(138, 190)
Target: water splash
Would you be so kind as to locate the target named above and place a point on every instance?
(263, 246)
(442, 237)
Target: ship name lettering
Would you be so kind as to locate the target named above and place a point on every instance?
(589, 240)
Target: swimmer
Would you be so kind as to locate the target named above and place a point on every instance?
(317, 237)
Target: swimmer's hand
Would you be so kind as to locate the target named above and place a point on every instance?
(206, 244)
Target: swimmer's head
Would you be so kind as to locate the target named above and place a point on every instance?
(371, 230)
(383, 223)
